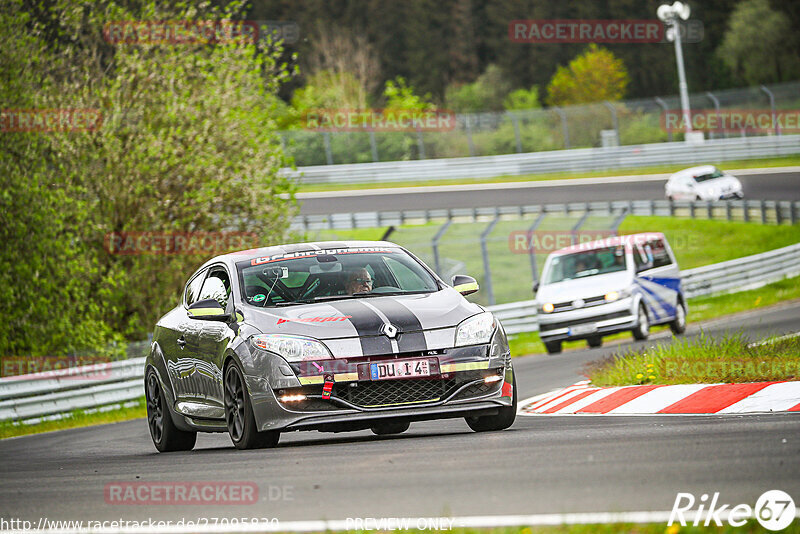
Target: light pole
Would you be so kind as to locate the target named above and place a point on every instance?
(670, 15)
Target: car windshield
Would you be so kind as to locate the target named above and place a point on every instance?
(710, 176)
(585, 263)
(333, 274)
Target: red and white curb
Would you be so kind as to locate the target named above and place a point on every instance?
(582, 398)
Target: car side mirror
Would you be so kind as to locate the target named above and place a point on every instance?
(466, 285)
(535, 287)
(208, 310)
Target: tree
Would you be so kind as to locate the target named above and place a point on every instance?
(594, 76)
(757, 45)
(187, 144)
(487, 93)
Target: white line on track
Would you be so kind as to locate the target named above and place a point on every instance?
(518, 185)
(423, 523)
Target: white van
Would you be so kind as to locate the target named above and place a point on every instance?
(620, 283)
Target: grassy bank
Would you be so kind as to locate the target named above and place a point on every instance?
(656, 169)
(701, 360)
(77, 418)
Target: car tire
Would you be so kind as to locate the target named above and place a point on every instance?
(553, 347)
(642, 329)
(239, 414)
(595, 341)
(678, 326)
(386, 429)
(501, 421)
(166, 436)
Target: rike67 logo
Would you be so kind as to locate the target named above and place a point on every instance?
(774, 510)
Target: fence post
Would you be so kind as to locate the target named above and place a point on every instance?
(469, 135)
(373, 146)
(485, 252)
(728, 210)
(435, 244)
(326, 140)
(618, 221)
(714, 99)
(517, 135)
(775, 126)
(420, 144)
(663, 106)
(564, 125)
(778, 216)
(763, 212)
(792, 215)
(691, 209)
(746, 213)
(709, 210)
(614, 119)
(531, 247)
(579, 224)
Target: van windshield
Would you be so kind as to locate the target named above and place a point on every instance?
(585, 263)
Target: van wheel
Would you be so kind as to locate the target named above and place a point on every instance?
(642, 329)
(553, 347)
(678, 326)
(595, 341)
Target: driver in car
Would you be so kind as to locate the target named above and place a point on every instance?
(358, 281)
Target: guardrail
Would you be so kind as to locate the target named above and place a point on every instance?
(40, 395)
(571, 160)
(764, 211)
(731, 276)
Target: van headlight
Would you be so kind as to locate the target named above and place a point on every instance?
(611, 296)
(475, 330)
(548, 307)
(292, 348)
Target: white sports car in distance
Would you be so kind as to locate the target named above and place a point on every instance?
(703, 183)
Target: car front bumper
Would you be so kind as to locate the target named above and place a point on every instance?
(588, 322)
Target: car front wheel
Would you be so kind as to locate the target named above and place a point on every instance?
(166, 436)
(239, 414)
(501, 421)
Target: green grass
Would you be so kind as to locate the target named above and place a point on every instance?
(77, 418)
(700, 309)
(658, 169)
(701, 360)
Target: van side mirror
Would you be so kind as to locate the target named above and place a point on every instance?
(466, 285)
(208, 310)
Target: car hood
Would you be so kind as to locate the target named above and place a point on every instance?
(591, 286)
(354, 318)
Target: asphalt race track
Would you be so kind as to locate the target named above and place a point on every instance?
(545, 464)
(757, 185)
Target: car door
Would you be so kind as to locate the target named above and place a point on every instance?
(657, 276)
(213, 338)
(180, 350)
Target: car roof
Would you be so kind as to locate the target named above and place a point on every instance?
(627, 240)
(695, 171)
(289, 248)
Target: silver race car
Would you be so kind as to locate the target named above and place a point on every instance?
(331, 336)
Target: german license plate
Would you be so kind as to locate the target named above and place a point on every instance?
(583, 329)
(399, 369)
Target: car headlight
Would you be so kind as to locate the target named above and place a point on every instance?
(548, 307)
(476, 330)
(292, 348)
(611, 296)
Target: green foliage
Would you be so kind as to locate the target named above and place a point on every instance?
(400, 96)
(487, 93)
(594, 76)
(758, 44)
(329, 90)
(187, 144)
(523, 99)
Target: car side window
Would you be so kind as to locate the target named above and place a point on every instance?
(640, 259)
(192, 291)
(217, 286)
(659, 250)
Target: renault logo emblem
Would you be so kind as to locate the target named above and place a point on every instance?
(389, 330)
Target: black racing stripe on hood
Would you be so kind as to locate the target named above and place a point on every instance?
(411, 338)
(368, 325)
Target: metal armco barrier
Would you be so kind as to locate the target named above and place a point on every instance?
(572, 160)
(39, 395)
(764, 211)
